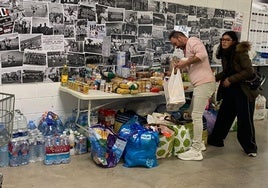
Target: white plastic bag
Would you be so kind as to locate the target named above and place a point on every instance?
(260, 108)
(174, 91)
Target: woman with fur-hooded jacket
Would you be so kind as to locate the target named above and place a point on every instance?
(237, 100)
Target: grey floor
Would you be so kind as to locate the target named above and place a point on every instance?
(222, 167)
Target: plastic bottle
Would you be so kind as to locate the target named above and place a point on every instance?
(15, 131)
(4, 139)
(24, 150)
(14, 152)
(64, 75)
(40, 147)
(72, 142)
(32, 150)
(22, 125)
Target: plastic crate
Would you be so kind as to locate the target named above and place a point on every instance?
(7, 102)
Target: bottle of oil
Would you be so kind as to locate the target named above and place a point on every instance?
(64, 75)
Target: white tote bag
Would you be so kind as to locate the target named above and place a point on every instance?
(174, 91)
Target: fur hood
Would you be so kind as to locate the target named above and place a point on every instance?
(243, 46)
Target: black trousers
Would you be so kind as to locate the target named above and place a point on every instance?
(236, 104)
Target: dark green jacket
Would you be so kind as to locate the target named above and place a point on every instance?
(243, 70)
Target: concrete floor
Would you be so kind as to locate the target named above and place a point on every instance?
(226, 167)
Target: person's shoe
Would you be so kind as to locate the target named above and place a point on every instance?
(203, 146)
(217, 143)
(252, 154)
(191, 155)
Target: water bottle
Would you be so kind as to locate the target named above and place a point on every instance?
(15, 131)
(22, 125)
(24, 150)
(4, 139)
(40, 147)
(14, 152)
(32, 150)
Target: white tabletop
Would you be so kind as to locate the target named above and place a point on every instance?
(100, 95)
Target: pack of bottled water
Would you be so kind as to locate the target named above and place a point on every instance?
(57, 149)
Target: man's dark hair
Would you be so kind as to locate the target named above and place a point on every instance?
(176, 34)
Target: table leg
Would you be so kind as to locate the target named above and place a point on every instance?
(89, 113)
(78, 110)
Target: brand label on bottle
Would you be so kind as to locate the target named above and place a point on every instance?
(64, 78)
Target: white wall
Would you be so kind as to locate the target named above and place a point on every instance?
(34, 99)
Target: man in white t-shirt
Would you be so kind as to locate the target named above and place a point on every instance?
(196, 62)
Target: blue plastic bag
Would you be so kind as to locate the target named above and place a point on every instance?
(141, 149)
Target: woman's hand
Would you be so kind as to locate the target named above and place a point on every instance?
(226, 83)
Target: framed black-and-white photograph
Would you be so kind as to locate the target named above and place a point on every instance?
(229, 14)
(58, 29)
(34, 57)
(93, 59)
(130, 29)
(182, 9)
(23, 25)
(30, 41)
(170, 21)
(228, 24)
(181, 19)
(216, 22)
(145, 31)
(172, 8)
(40, 25)
(131, 17)
(56, 59)
(114, 28)
(110, 3)
(205, 34)
(205, 23)
(71, 45)
(129, 39)
(35, 9)
(93, 45)
(75, 59)
(168, 48)
(201, 12)
(102, 14)
(55, 13)
(126, 4)
(145, 17)
(9, 42)
(81, 30)
(69, 30)
(159, 19)
(219, 13)
(11, 76)
(70, 13)
(140, 5)
(31, 76)
(11, 59)
(192, 10)
(144, 43)
(52, 74)
(86, 12)
(157, 32)
(115, 14)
